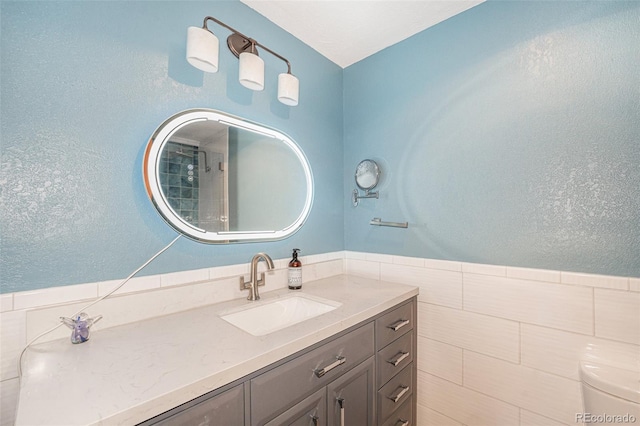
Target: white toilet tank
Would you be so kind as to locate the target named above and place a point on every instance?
(610, 386)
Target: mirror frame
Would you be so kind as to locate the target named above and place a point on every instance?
(376, 174)
(150, 166)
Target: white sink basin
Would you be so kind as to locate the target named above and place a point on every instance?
(265, 317)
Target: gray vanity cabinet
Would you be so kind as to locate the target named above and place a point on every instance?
(361, 377)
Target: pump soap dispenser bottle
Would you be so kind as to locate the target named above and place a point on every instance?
(295, 272)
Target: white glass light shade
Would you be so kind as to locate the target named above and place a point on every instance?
(202, 49)
(251, 74)
(288, 89)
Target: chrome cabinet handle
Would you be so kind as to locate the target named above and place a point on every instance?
(398, 324)
(401, 422)
(315, 419)
(401, 356)
(341, 403)
(322, 371)
(397, 396)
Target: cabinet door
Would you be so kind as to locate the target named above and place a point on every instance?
(351, 397)
(226, 408)
(311, 411)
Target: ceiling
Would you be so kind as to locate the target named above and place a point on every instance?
(346, 31)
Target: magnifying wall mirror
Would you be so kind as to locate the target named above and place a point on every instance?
(367, 177)
(218, 178)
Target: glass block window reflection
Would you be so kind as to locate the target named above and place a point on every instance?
(179, 179)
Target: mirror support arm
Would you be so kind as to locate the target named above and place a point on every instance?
(368, 194)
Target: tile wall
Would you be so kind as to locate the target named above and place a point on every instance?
(497, 345)
(500, 345)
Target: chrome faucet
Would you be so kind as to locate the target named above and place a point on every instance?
(253, 283)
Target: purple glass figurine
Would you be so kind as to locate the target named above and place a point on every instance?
(80, 326)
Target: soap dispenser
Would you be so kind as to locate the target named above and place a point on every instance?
(295, 271)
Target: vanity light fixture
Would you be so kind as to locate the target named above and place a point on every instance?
(203, 49)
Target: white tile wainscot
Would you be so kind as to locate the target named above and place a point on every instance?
(530, 341)
(499, 345)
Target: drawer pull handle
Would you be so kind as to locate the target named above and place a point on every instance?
(401, 422)
(398, 324)
(315, 419)
(397, 396)
(401, 356)
(322, 371)
(341, 403)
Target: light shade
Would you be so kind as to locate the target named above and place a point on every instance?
(288, 89)
(251, 73)
(202, 49)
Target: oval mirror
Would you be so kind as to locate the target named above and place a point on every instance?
(217, 178)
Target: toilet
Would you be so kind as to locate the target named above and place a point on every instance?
(610, 381)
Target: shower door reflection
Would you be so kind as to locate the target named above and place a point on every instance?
(213, 209)
(193, 176)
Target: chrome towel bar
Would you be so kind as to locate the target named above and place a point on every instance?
(379, 222)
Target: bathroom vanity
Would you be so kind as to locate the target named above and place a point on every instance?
(353, 365)
(335, 382)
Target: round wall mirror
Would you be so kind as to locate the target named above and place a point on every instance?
(367, 177)
(367, 174)
(217, 178)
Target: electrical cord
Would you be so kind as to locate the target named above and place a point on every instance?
(32, 341)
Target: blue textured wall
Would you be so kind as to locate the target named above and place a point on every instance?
(84, 85)
(509, 134)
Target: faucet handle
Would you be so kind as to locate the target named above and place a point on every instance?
(244, 285)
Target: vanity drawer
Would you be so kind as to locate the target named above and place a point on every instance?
(403, 416)
(394, 324)
(392, 359)
(292, 381)
(398, 390)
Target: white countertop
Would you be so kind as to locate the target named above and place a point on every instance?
(127, 374)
